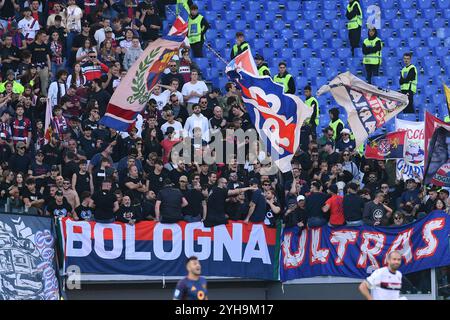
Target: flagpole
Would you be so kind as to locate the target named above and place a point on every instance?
(208, 46)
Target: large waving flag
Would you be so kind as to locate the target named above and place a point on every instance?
(368, 107)
(386, 146)
(437, 170)
(276, 116)
(180, 25)
(243, 61)
(134, 90)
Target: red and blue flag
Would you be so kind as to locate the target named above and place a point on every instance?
(386, 146)
(276, 116)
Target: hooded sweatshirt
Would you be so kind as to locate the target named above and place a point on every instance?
(131, 56)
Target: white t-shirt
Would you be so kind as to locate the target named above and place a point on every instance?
(74, 15)
(178, 93)
(176, 126)
(161, 99)
(29, 27)
(199, 87)
(100, 36)
(384, 284)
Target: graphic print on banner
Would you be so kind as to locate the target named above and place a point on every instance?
(134, 89)
(154, 249)
(27, 258)
(356, 252)
(368, 107)
(414, 161)
(386, 146)
(277, 116)
(437, 171)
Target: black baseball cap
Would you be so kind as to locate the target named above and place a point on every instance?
(259, 57)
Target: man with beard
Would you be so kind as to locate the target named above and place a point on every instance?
(385, 282)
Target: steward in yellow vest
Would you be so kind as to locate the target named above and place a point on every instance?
(240, 46)
(354, 16)
(372, 54)
(408, 81)
(263, 68)
(197, 27)
(284, 78)
(312, 102)
(335, 123)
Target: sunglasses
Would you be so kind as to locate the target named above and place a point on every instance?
(173, 66)
(92, 57)
(266, 184)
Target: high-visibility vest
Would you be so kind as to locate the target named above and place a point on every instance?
(372, 58)
(283, 80)
(263, 68)
(195, 29)
(17, 87)
(334, 125)
(412, 85)
(241, 48)
(183, 3)
(357, 20)
(309, 102)
(447, 119)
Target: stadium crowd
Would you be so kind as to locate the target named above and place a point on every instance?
(73, 56)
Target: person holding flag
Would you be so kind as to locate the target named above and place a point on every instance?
(240, 46)
(197, 27)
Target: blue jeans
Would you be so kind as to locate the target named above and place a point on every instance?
(316, 222)
(70, 55)
(192, 219)
(56, 68)
(355, 223)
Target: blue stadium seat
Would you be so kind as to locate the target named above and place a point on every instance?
(235, 5)
(315, 63)
(386, 4)
(438, 23)
(217, 5)
(220, 24)
(300, 24)
(305, 53)
(230, 17)
(385, 33)
(278, 43)
(329, 4)
(393, 42)
(405, 4)
(252, 5)
(439, 99)
(398, 23)
(426, 33)
(269, 16)
(287, 34)
(268, 53)
(301, 82)
(424, 4)
(320, 81)
(310, 15)
(259, 44)
(230, 35)
(326, 53)
(319, 25)
(296, 43)
(406, 33)
(380, 81)
(336, 43)
(316, 44)
(410, 13)
(391, 71)
(407, 116)
(293, 5)
(430, 89)
(271, 5)
(297, 62)
(414, 42)
(286, 53)
(278, 25)
(329, 14)
(433, 42)
(441, 51)
(240, 25)
(447, 13)
(211, 15)
(259, 25)
(326, 33)
(310, 5)
(421, 52)
(250, 34)
(443, 4)
(446, 61)
(220, 44)
(291, 16)
(429, 13)
(418, 23)
(433, 70)
(344, 53)
(269, 34)
(249, 15)
(312, 72)
(389, 14)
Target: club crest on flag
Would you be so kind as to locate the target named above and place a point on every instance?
(442, 176)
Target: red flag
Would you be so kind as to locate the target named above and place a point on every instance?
(387, 146)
